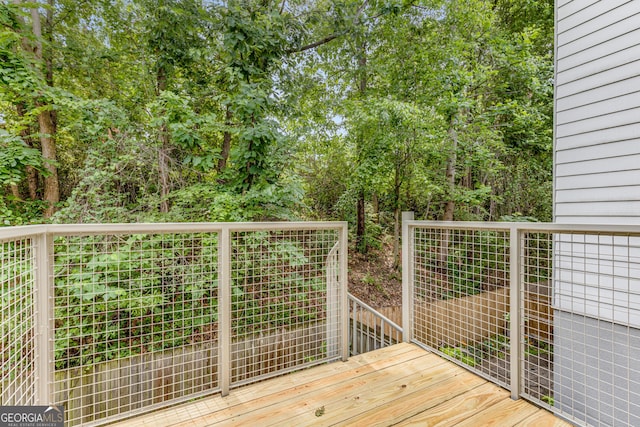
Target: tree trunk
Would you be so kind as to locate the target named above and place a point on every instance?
(361, 241)
(226, 143)
(47, 117)
(32, 173)
(164, 153)
(376, 207)
(15, 191)
(451, 172)
(396, 238)
(443, 251)
(397, 187)
(47, 122)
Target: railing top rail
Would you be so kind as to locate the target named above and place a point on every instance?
(8, 233)
(367, 307)
(186, 227)
(617, 229)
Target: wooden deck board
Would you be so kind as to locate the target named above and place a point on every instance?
(399, 385)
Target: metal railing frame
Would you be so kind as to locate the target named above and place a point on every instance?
(516, 277)
(42, 237)
(381, 322)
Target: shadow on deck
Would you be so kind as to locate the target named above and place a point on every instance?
(399, 385)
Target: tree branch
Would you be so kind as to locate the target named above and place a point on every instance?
(314, 44)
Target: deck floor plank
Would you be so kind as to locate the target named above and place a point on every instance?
(466, 404)
(399, 385)
(403, 407)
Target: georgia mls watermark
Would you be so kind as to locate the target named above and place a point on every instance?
(31, 416)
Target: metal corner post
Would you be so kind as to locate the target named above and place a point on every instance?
(407, 276)
(43, 245)
(224, 310)
(515, 294)
(344, 295)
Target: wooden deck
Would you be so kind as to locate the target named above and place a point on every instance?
(400, 385)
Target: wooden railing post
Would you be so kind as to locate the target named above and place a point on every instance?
(407, 276)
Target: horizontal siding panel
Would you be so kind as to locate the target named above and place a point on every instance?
(600, 151)
(623, 72)
(609, 220)
(586, 49)
(603, 136)
(621, 163)
(607, 63)
(567, 8)
(600, 209)
(601, 14)
(602, 180)
(607, 121)
(621, 103)
(609, 194)
(598, 94)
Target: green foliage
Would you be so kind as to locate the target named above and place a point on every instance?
(475, 261)
(116, 297)
(474, 354)
(459, 354)
(315, 102)
(290, 293)
(15, 157)
(119, 296)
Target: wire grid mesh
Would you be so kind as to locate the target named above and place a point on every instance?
(596, 378)
(285, 301)
(135, 321)
(461, 297)
(536, 315)
(17, 281)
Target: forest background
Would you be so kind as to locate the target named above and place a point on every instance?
(247, 110)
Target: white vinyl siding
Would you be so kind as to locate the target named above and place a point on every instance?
(597, 146)
(597, 128)
(597, 180)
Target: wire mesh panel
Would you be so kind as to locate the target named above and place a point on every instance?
(135, 321)
(577, 337)
(18, 384)
(285, 301)
(536, 317)
(461, 297)
(596, 375)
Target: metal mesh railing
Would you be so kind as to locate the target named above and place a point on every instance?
(136, 321)
(285, 310)
(460, 297)
(550, 311)
(18, 384)
(535, 331)
(596, 317)
(114, 320)
(370, 330)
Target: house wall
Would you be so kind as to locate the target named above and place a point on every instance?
(597, 180)
(597, 131)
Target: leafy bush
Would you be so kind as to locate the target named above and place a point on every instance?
(117, 296)
(123, 295)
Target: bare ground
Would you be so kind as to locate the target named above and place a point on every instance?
(373, 279)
